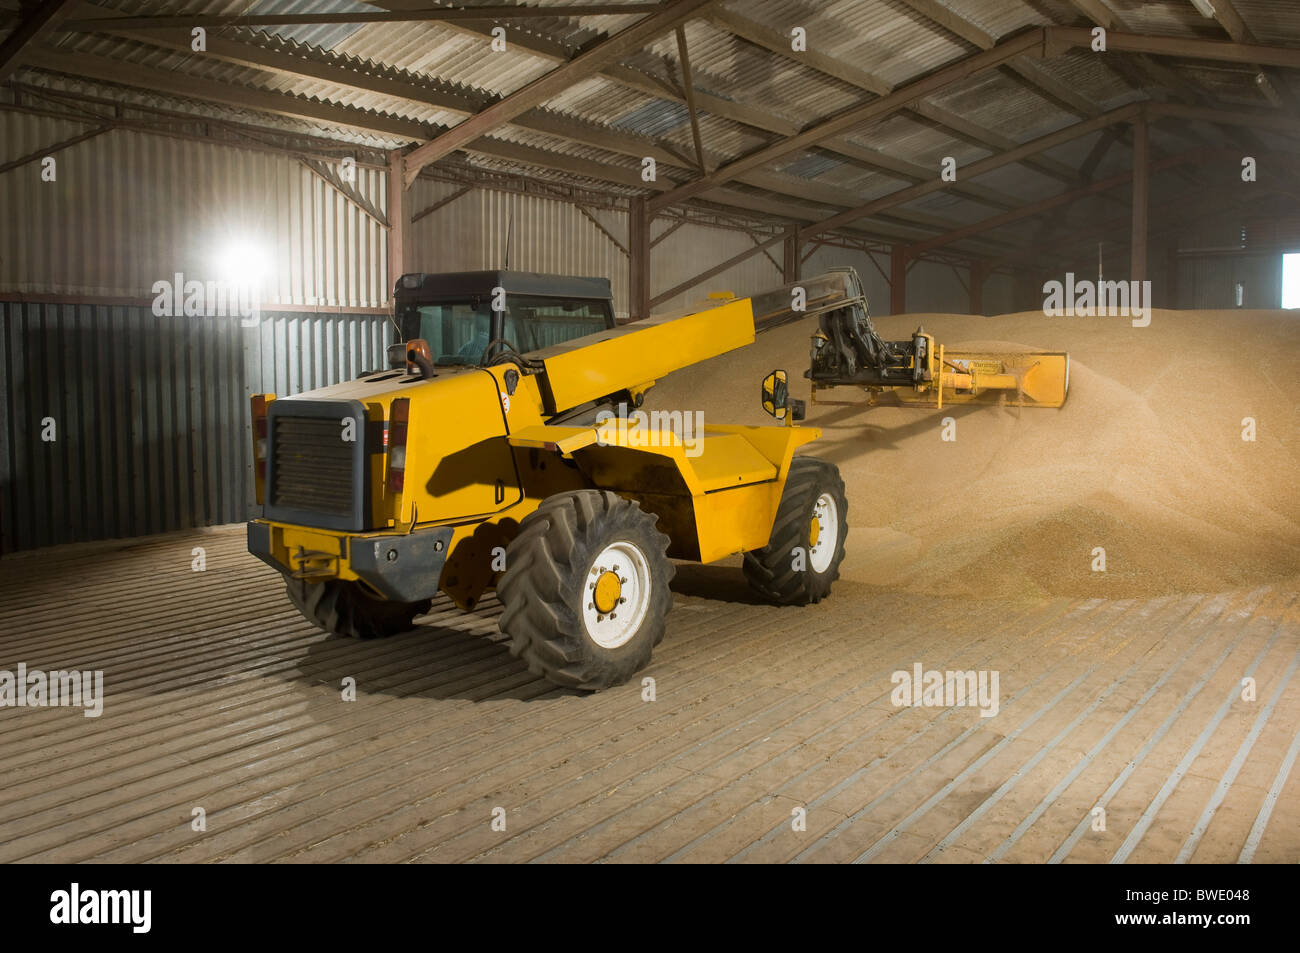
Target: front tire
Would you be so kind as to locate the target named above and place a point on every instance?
(344, 609)
(802, 558)
(585, 594)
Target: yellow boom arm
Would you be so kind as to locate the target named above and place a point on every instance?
(636, 355)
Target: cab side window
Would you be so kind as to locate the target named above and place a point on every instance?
(534, 322)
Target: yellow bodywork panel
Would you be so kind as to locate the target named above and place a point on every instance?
(458, 462)
(777, 444)
(564, 440)
(728, 460)
(591, 367)
(736, 520)
(734, 516)
(713, 500)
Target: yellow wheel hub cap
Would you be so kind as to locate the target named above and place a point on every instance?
(814, 531)
(608, 591)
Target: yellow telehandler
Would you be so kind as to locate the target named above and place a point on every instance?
(502, 449)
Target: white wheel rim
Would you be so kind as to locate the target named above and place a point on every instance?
(827, 518)
(613, 628)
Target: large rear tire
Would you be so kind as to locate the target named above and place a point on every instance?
(345, 609)
(802, 558)
(585, 592)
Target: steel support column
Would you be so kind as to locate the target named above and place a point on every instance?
(1141, 192)
(1170, 296)
(638, 259)
(898, 279)
(978, 271)
(399, 218)
(793, 257)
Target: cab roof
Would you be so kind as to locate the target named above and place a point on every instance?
(514, 282)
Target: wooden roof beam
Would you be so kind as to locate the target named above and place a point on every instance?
(1061, 38)
(541, 90)
(35, 25)
(213, 21)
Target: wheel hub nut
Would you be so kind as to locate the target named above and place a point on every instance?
(608, 591)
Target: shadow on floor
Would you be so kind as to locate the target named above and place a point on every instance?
(433, 660)
(715, 583)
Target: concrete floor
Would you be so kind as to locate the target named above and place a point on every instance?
(220, 696)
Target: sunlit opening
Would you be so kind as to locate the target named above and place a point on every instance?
(1291, 280)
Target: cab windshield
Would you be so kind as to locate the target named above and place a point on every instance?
(459, 330)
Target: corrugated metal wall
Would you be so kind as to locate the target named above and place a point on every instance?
(150, 414)
(127, 209)
(548, 235)
(931, 286)
(693, 248)
(1213, 258)
(1211, 282)
(1208, 279)
(469, 234)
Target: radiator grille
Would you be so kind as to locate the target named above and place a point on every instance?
(312, 465)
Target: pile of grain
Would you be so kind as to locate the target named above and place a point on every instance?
(1146, 458)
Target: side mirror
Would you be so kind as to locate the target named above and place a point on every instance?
(776, 394)
(777, 400)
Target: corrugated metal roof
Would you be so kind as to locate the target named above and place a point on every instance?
(550, 143)
(1166, 18)
(317, 34)
(811, 165)
(1270, 20)
(726, 66)
(216, 70)
(922, 143)
(1088, 75)
(655, 118)
(881, 38)
(128, 96)
(999, 18)
(1232, 83)
(439, 51)
(889, 40)
(509, 167)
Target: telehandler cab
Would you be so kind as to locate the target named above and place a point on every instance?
(476, 460)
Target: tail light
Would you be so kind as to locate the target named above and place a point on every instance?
(259, 403)
(398, 416)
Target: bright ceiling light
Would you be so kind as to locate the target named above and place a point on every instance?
(242, 262)
(1204, 7)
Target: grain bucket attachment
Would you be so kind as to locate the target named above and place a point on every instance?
(847, 352)
(1013, 379)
